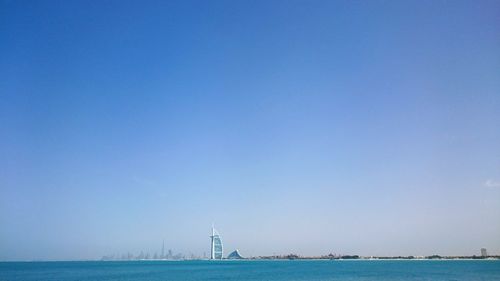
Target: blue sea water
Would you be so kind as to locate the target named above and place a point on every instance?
(275, 270)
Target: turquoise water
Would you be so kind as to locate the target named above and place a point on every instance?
(467, 270)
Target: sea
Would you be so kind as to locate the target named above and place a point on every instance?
(271, 270)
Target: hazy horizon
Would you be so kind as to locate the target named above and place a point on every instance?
(307, 127)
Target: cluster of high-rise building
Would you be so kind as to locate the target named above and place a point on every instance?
(164, 255)
(169, 255)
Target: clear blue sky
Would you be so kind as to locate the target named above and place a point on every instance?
(352, 127)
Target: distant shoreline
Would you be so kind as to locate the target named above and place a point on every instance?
(496, 258)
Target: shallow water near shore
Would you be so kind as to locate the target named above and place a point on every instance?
(314, 270)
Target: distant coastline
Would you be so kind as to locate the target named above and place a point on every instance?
(491, 258)
(357, 257)
(323, 257)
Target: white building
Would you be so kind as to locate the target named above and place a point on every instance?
(216, 250)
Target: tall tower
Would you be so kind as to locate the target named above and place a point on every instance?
(216, 250)
(163, 249)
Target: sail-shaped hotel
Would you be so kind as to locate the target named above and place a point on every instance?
(216, 252)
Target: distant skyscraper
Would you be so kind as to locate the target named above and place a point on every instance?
(163, 250)
(216, 251)
(484, 253)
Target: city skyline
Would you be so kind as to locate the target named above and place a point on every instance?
(368, 127)
(217, 253)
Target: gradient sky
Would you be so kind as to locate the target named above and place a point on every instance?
(351, 127)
